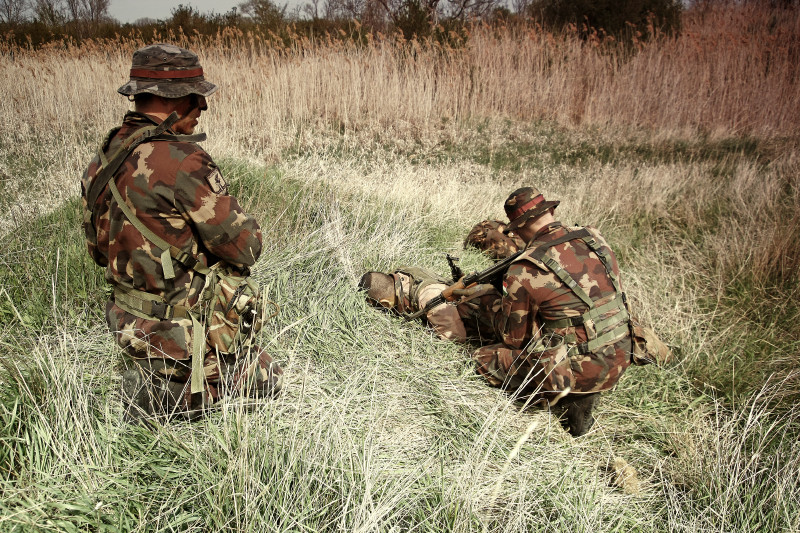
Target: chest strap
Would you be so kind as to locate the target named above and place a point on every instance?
(168, 251)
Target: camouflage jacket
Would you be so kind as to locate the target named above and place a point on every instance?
(533, 295)
(177, 192)
(493, 238)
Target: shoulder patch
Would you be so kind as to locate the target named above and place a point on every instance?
(217, 182)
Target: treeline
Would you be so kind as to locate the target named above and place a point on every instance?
(37, 22)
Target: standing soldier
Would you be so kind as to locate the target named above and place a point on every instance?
(562, 318)
(159, 219)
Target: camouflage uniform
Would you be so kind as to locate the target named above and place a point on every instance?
(468, 320)
(562, 319)
(493, 238)
(177, 191)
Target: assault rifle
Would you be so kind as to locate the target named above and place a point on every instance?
(465, 282)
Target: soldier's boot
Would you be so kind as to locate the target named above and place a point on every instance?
(577, 417)
(137, 400)
(274, 382)
(268, 380)
(175, 399)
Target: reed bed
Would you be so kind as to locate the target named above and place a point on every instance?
(732, 72)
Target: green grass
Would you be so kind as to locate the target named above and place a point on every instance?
(382, 426)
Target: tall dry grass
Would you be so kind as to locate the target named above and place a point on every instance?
(733, 71)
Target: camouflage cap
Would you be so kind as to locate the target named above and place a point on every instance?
(525, 204)
(166, 70)
(380, 288)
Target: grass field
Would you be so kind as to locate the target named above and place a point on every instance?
(357, 158)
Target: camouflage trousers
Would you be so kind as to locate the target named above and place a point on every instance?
(553, 372)
(251, 375)
(161, 353)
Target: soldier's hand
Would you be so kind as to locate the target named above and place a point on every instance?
(474, 291)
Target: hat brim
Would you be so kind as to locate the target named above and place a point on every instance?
(168, 89)
(531, 213)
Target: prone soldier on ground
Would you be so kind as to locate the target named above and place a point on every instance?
(408, 291)
(176, 247)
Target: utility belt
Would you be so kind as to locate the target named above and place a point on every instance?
(148, 306)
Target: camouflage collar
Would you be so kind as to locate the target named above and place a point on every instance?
(137, 120)
(553, 226)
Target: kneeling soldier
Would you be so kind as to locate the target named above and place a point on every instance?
(562, 319)
(159, 219)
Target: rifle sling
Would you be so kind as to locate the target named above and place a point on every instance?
(111, 164)
(104, 179)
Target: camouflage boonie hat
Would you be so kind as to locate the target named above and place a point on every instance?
(166, 70)
(525, 204)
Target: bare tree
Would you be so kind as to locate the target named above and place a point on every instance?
(521, 7)
(312, 8)
(461, 9)
(414, 16)
(264, 12)
(92, 11)
(344, 9)
(13, 11)
(49, 12)
(74, 9)
(96, 10)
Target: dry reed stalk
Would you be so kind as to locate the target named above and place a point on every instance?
(732, 72)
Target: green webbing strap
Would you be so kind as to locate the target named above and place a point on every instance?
(166, 258)
(607, 338)
(168, 251)
(146, 305)
(568, 280)
(141, 135)
(196, 138)
(103, 159)
(540, 251)
(198, 355)
(613, 320)
(603, 256)
(591, 314)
